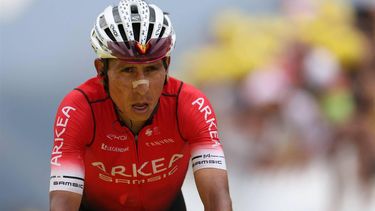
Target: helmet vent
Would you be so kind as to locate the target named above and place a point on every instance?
(162, 32)
(165, 22)
(110, 35)
(152, 15)
(136, 30)
(123, 35)
(102, 22)
(116, 15)
(100, 43)
(134, 9)
(149, 33)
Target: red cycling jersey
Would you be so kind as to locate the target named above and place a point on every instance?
(97, 156)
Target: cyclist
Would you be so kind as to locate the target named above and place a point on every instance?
(123, 139)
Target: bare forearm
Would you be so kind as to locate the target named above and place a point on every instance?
(64, 201)
(218, 203)
(213, 189)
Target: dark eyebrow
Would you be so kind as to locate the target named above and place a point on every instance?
(153, 65)
(127, 66)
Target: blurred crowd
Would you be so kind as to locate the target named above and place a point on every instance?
(296, 87)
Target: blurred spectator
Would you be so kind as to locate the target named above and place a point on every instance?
(310, 97)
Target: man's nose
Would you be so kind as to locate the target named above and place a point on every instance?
(141, 86)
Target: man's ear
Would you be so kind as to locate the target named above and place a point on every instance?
(99, 65)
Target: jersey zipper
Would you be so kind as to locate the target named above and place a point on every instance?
(136, 146)
(136, 139)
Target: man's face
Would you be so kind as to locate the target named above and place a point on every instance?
(136, 101)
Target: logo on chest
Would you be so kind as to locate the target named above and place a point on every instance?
(113, 148)
(114, 139)
(139, 173)
(160, 142)
(152, 131)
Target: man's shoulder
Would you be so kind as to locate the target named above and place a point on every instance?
(180, 88)
(93, 89)
(173, 87)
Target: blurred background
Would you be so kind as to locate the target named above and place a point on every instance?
(292, 83)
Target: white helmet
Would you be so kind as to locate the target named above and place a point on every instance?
(133, 31)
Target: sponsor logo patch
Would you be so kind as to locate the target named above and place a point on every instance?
(113, 148)
(114, 137)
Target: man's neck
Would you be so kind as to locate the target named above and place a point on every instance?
(135, 127)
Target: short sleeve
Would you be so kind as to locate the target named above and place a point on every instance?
(198, 125)
(73, 130)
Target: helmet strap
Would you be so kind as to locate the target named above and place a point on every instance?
(105, 75)
(166, 61)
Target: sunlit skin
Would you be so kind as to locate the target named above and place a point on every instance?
(135, 105)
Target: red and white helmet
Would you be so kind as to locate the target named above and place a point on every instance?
(133, 31)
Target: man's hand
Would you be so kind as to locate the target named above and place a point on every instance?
(212, 185)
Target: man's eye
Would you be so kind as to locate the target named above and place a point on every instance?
(152, 68)
(127, 70)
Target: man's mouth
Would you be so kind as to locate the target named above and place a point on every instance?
(140, 108)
